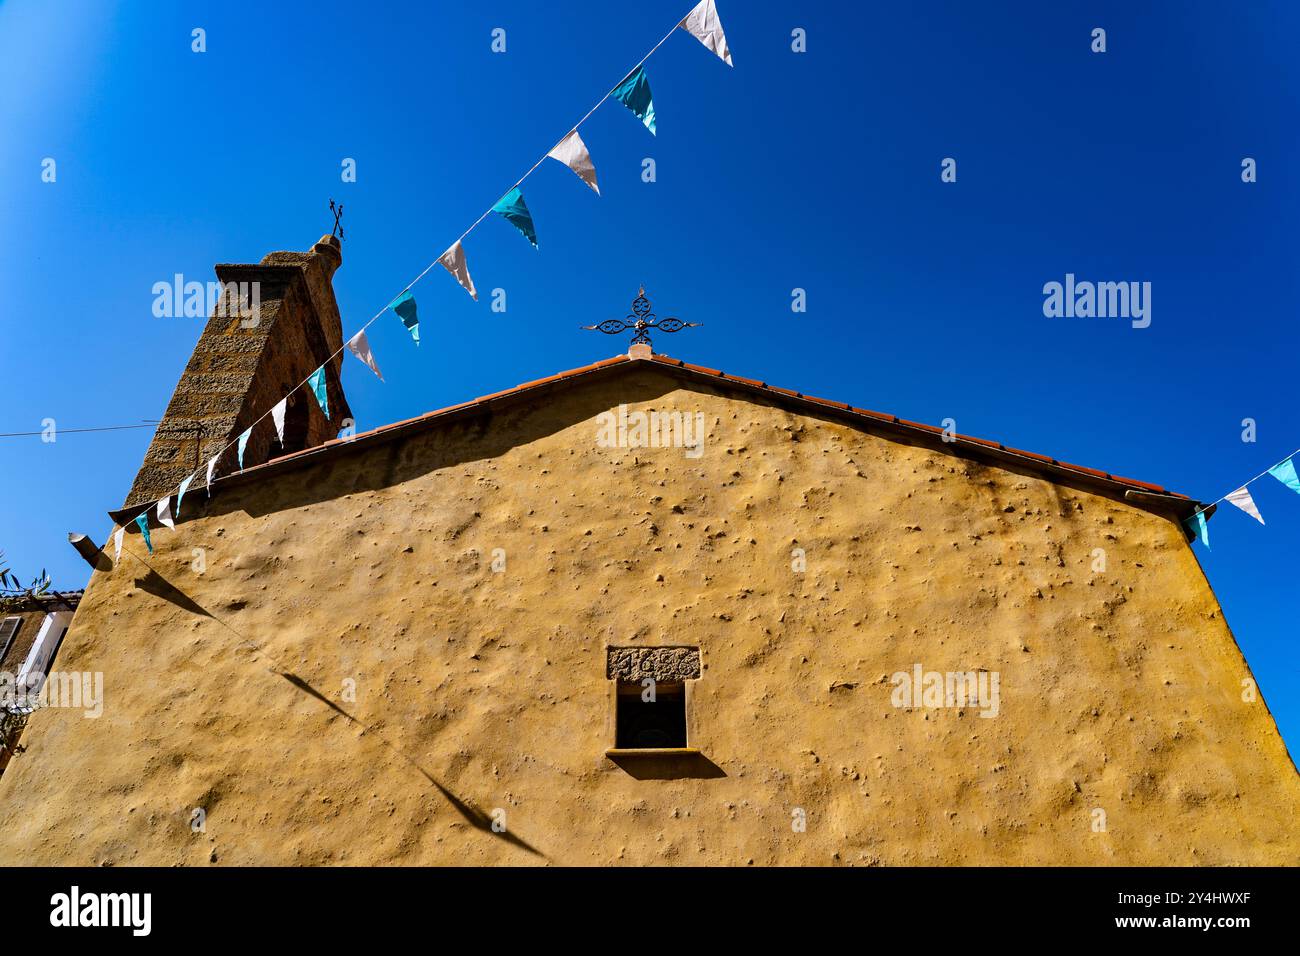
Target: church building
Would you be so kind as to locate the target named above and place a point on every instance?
(642, 612)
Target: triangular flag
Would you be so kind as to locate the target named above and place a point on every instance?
(243, 443)
(703, 24)
(117, 544)
(1196, 524)
(512, 207)
(180, 493)
(359, 346)
(404, 306)
(1285, 473)
(165, 512)
(317, 382)
(1242, 499)
(212, 466)
(277, 416)
(453, 260)
(572, 151)
(634, 93)
(143, 521)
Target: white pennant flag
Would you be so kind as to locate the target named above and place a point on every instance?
(703, 24)
(572, 151)
(1242, 499)
(277, 415)
(165, 512)
(359, 346)
(117, 544)
(180, 493)
(453, 260)
(212, 464)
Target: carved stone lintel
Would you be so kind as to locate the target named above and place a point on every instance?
(668, 664)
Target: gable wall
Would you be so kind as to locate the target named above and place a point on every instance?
(1119, 690)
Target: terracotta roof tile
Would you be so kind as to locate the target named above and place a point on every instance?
(1090, 471)
(1030, 454)
(452, 408)
(539, 381)
(928, 428)
(1150, 487)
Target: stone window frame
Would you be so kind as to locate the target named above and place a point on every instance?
(670, 663)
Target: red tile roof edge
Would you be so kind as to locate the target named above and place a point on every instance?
(667, 361)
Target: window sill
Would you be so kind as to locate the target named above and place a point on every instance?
(652, 751)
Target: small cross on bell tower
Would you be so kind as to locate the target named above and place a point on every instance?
(641, 321)
(338, 214)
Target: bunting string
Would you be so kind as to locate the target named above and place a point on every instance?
(586, 116)
(1284, 471)
(633, 90)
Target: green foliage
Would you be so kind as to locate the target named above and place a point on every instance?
(12, 591)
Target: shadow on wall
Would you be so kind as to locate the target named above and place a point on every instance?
(669, 767)
(155, 584)
(474, 816)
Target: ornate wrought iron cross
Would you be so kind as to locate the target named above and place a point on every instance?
(642, 322)
(338, 214)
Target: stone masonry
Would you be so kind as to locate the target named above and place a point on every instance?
(243, 365)
(667, 664)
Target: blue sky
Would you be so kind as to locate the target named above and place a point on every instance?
(817, 170)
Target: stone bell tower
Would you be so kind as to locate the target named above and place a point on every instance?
(276, 323)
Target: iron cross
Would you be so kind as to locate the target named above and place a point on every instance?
(338, 214)
(642, 322)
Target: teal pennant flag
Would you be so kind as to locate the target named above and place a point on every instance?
(1285, 473)
(243, 443)
(634, 93)
(512, 207)
(143, 522)
(1196, 524)
(317, 382)
(404, 306)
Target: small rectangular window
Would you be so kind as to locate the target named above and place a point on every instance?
(651, 717)
(650, 688)
(8, 631)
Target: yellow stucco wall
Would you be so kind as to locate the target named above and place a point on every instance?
(1119, 690)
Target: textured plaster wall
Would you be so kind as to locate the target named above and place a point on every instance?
(485, 691)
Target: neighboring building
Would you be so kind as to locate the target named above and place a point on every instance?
(431, 643)
(31, 632)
